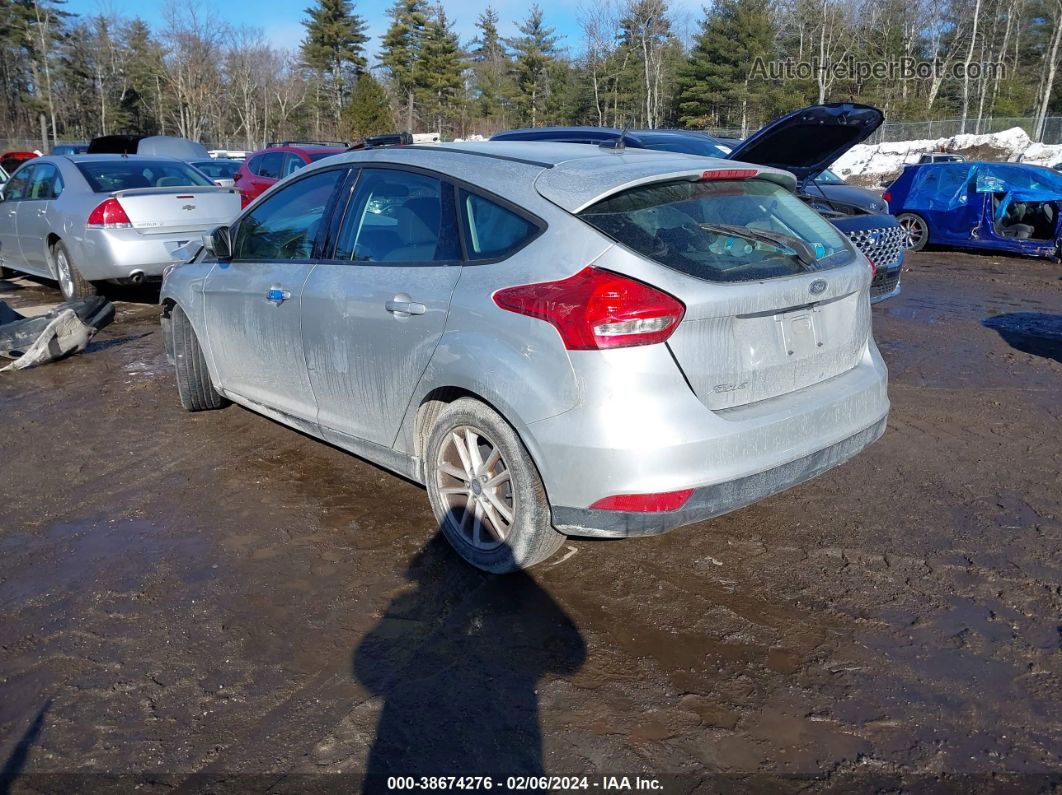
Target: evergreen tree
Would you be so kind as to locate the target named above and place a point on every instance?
(335, 46)
(437, 73)
(490, 68)
(369, 111)
(144, 103)
(533, 52)
(400, 50)
(717, 84)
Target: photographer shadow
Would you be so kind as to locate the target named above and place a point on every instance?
(457, 660)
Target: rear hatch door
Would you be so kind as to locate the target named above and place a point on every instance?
(805, 142)
(762, 318)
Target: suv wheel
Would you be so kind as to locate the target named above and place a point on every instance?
(193, 379)
(485, 490)
(71, 283)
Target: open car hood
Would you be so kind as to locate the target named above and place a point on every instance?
(805, 142)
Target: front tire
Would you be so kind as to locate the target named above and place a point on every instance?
(916, 229)
(486, 491)
(193, 379)
(71, 283)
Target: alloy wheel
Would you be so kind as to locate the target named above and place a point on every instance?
(914, 231)
(66, 278)
(476, 485)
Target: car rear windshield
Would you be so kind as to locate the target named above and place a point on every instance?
(112, 175)
(721, 230)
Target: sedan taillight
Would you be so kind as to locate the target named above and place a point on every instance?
(597, 309)
(109, 215)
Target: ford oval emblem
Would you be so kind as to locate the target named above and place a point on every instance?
(818, 286)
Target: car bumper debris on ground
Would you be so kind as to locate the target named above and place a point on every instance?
(213, 595)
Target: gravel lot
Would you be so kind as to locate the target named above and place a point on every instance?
(216, 594)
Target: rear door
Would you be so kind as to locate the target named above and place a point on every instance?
(374, 312)
(253, 302)
(33, 224)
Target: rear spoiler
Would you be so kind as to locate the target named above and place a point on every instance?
(176, 189)
(577, 184)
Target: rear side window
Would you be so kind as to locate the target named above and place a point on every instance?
(721, 230)
(491, 230)
(286, 225)
(269, 165)
(112, 175)
(45, 183)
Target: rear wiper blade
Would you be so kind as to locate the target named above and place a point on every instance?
(798, 247)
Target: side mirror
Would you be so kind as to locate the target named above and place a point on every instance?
(218, 243)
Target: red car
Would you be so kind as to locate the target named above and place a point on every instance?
(12, 160)
(276, 161)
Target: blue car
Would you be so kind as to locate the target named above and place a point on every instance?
(999, 206)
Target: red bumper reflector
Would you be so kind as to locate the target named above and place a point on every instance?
(644, 503)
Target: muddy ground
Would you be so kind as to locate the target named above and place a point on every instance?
(216, 594)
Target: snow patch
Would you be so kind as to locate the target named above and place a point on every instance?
(869, 164)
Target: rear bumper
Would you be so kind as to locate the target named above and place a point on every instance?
(122, 253)
(715, 500)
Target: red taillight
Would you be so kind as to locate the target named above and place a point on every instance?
(729, 173)
(596, 309)
(887, 196)
(644, 503)
(109, 215)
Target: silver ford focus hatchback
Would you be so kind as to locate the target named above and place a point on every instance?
(554, 339)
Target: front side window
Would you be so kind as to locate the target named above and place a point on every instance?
(110, 175)
(491, 230)
(17, 188)
(399, 216)
(45, 183)
(286, 225)
(292, 164)
(721, 230)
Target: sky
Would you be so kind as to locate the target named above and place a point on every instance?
(280, 20)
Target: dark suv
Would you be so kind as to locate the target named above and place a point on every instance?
(267, 166)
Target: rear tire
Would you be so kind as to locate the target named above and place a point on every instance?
(193, 379)
(917, 230)
(71, 283)
(476, 470)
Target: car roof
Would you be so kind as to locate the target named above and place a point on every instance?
(84, 158)
(571, 176)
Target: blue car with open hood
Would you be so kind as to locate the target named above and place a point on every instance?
(1010, 207)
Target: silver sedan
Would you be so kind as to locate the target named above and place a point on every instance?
(85, 218)
(554, 339)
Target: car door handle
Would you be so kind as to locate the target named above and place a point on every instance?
(402, 304)
(277, 296)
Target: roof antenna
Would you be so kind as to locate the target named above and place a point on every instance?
(617, 145)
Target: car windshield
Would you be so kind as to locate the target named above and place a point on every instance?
(111, 175)
(315, 156)
(721, 230)
(218, 169)
(683, 144)
(1026, 177)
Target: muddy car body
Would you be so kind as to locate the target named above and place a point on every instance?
(84, 218)
(1000, 206)
(567, 340)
